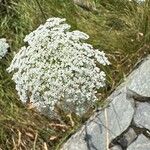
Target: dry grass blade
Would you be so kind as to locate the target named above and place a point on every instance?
(71, 120)
(35, 140)
(45, 146)
(19, 138)
(52, 138)
(14, 143)
(59, 125)
(30, 135)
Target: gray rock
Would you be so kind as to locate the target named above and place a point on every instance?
(126, 138)
(142, 115)
(136, 97)
(92, 136)
(119, 114)
(142, 143)
(139, 79)
(116, 147)
(130, 136)
(104, 126)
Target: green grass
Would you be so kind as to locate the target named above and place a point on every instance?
(118, 27)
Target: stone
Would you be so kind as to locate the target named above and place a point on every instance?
(136, 97)
(141, 117)
(104, 126)
(126, 138)
(142, 143)
(119, 114)
(130, 136)
(139, 79)
(92, 136)
(116, 147)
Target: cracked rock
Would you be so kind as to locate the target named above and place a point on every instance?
(130, 136)
(139, 79)
(116, 147)
(142, 115)
(119, 114)
(125, 139)
(142, 143)
(105, 126)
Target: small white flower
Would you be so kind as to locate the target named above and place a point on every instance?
(57, 67)
(3, 47)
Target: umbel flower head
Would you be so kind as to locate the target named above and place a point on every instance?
(3, 47)
(58, 69)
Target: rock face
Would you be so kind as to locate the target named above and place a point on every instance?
(142, 115)
(116, 147)
(118, 109)
(121, 125)
(105, 126)
(142, 143)
(139, 80)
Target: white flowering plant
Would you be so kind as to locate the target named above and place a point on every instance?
(57, 68)
(3, 47)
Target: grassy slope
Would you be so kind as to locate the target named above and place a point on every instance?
(119, 28)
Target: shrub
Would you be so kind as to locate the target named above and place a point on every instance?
(3, 47)
(57, 68)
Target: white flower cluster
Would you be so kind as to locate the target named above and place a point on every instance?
(57, 68)
(3, 47)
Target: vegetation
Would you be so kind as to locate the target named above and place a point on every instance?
(120, 28)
